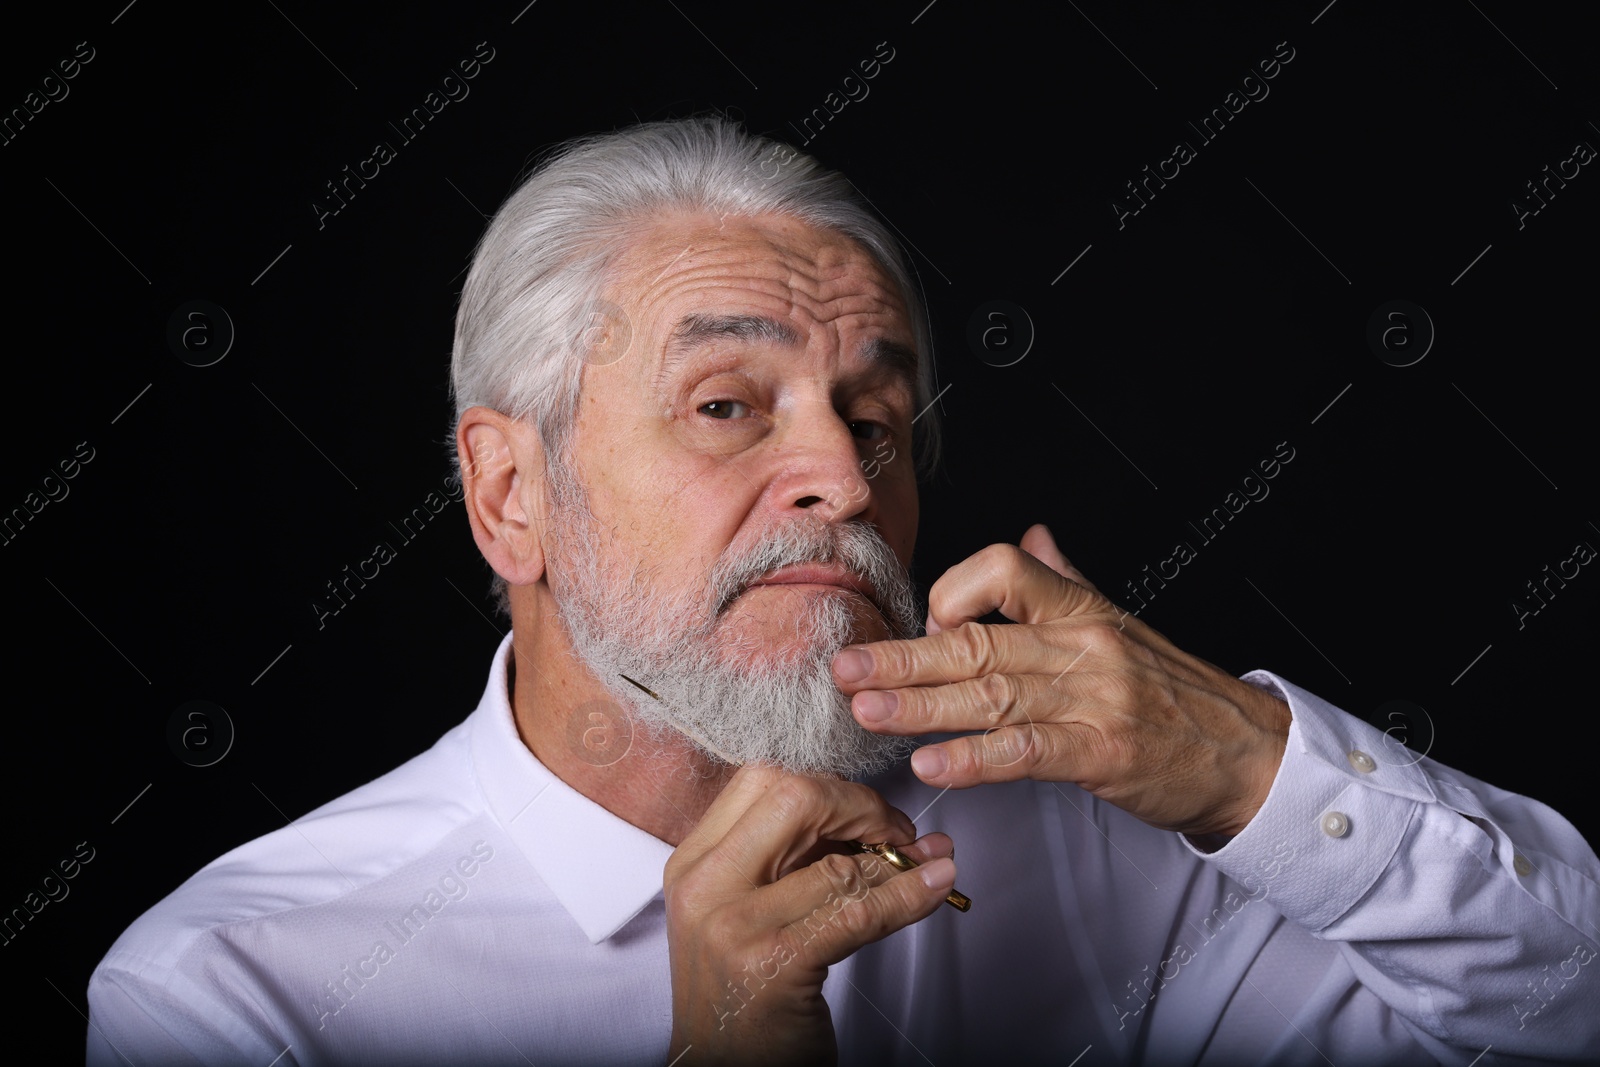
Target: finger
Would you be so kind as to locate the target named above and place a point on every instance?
(925, 848)
(1040, 543)
(983, 703)
(829, 909)
(743, 789)
(878, 869)
(930, 847)
(1058, 753)
(1006, 579)
(776, 832)
(974, 649)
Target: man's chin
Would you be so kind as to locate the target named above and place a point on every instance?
(783, 621)
(757, 690)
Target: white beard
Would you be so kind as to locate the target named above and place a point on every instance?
(737, 702)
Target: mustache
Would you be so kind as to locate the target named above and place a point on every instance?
(859, 548)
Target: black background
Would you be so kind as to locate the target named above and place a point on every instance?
(1224, 318)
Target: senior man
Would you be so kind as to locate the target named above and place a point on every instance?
(689, 366)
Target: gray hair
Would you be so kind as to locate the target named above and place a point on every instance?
(536, 281)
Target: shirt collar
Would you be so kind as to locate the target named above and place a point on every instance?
(602, 869)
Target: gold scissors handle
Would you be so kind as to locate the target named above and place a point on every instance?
(902, 862)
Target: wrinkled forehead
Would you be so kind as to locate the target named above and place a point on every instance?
(684, 266)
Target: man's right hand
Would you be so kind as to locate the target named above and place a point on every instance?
(757, 910)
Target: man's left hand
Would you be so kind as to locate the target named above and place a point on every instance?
(1080, 692)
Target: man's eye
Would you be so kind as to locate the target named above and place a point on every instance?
(725, 409)
(869, 431)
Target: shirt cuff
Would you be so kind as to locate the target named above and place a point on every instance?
(1339, 807)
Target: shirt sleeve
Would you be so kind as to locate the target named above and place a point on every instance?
(141, 1014)
(1470, 911)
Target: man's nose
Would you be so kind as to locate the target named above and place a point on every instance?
(820, 473)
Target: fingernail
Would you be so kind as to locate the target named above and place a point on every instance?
(930, 627)
(852, 665)
(929, 762)
(875, 705)
(939, 875)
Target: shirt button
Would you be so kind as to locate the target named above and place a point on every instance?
(1336, 824)
(1520, 863)
(1362, 762)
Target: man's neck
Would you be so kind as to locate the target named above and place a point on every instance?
(575, 728)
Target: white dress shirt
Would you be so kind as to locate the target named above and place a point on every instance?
(470, 907)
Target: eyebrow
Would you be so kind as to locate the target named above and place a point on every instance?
(695, 332)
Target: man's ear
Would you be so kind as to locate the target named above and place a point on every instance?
(503, 481)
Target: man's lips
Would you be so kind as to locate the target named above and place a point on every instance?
(818, 574)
